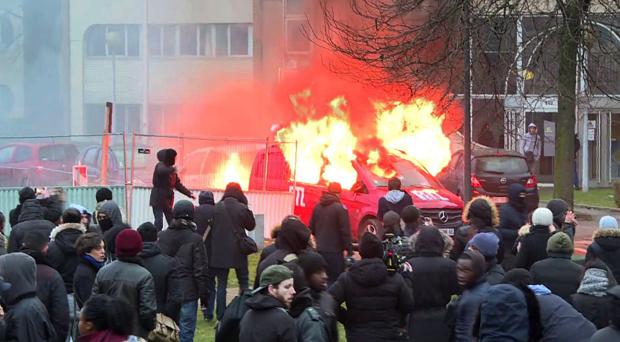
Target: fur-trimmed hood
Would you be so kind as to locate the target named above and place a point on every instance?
(606, 233)
(65, 226)
(478, 206)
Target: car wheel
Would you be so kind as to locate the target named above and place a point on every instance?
(371, 225)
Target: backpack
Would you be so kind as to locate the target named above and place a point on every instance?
(229, 327)
(166, 330)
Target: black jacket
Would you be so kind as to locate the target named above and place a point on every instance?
(308, 320)
(512, 216)
(14, 215)
(32, 217)
(181, 242)
(109, 237)
(61, 254)
(533, 247)
(559, 274)
(83, 280)
(257, 325)
(330, 225)
(132, 282)
(27, 318)
(52, 293)
(607, 248)
(222, 244)
(595, 309)
(166, 180)
(376, 301)
(203, 216)
(163, 268)
(388, 203)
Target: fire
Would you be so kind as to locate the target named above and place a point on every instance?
(327, 145)
(232, 171)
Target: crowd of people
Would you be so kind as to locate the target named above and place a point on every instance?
(505, 275)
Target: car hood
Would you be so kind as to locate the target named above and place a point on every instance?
(434, 198)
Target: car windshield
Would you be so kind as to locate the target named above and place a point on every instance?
(6, 153)
(500, 165)
(409, 174)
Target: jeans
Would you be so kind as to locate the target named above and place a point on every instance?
(187, 321)
(217, 298)
(335, 265)
(159, 213)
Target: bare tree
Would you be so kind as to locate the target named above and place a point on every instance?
(420, 43)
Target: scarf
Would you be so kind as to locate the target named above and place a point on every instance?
(97, 264)
(594, 283)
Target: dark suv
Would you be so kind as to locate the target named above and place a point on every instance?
(492, 172)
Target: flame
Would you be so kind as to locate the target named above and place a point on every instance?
(327, 146)
(232, 171)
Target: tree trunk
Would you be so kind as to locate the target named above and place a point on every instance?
(565, 120)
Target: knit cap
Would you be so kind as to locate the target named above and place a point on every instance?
(542, 217)
(184, 209)
(485, 243)
(608, 222)
(559, 243)
(275, 274)
(128, 243)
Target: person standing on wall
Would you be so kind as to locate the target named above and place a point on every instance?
(165, 181)
(530, 147)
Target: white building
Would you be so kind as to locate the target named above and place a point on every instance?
(11, 59)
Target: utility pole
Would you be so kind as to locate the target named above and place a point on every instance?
(467, 97)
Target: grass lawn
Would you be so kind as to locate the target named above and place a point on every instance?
(599, 197)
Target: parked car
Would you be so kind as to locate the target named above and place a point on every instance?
(492, 172)
(433, 200)
(91, 157)
(44, 164)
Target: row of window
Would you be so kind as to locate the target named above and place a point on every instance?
(208, 40)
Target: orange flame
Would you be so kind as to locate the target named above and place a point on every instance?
(232, 171)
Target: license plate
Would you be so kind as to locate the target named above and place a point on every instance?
(499, 200)
(448, 231)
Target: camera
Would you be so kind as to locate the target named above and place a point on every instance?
(393, 256)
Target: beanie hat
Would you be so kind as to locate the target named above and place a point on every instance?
(559, 208)
(334, 188)
(148, 232)
(275, 274)
(103, 194)
(206, 197)
(371, 246)
(518, 276)
(26, 194)
(477, 262)
(311, 263)
(128, 243)
(410, 214)
(184, 209)
(559, 243)
(542, 217)
(391, 218)
(481, 209)
(608, 222)
(485, 243)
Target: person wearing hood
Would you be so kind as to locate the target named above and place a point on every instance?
(32, 217)
(377, 302)
(267, 318)
(332, 230)
(181, 242)
(395, 199)
(104, 318)
(591, 299)
(50, 285)
(563, 218)
(137, 288)
(606, 244)
(411, 218)
(101, 196)
(560, 321)
(27, 318)
(470, 276)
(433, 282)
(165, 181)
(558, 272)
(512, 216)
(480, 215)
(25, 194)
(90, 248)
(204, 213)
(164, 271)
(293, 239)
(612, 332)
(62, 255)
(111, 224)
(488, 244)
(533, 246)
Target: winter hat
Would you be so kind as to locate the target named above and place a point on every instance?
(311, 263)
(410, 214)
(429, 242)
(559, 208)
(594, 282)
(371, 246)
(391, 218)
(542, 217)
(293, 236)
(275, 274)
(334, 188)
(480, 209)
(103, 194)
(148, 232)
(608, 222)
(128, 243)
(206, 197)
(559, 243)
(485, 243)
(26, 194)
(518, 276)
(477, 262)
(184, 209)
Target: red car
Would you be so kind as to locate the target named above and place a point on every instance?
(433, 200)
(23, 164)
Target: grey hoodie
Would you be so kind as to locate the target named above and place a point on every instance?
(111, 209)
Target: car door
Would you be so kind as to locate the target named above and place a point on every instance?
(7, 170)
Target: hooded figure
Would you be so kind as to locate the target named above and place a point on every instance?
(591, 299)
(512, 216)
(487, 244)
(433, 282)
(533, 246)
(165, 181)
(606, 245)
(26, 319)
(61, 254)
(612, 332)
(395, 199)
(560, 208)
(470, 275)
(32, 217)
(203, 216)
(504, 315)
(377, 302)
(111, 226)
(24, 195)
(481, 216)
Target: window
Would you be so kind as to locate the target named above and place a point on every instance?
(206, 41)
(53, 153)
(127, 118)
(295, 7)
(501, 165)
(169, 40)
(239, 39)
(6, 154)
(23, 154)
(221, 40)
(90, 157)
(155, 40)
(112, 40)
(296, 41)
(188, 40)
